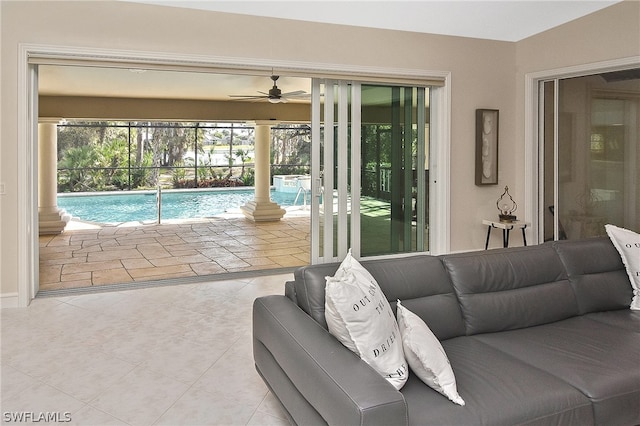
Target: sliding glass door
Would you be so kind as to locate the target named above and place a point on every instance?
(591, 152)
(369, 169)
(394, 145)
(334, 126)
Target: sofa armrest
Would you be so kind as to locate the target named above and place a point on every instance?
(341, 387)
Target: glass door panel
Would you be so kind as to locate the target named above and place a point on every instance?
(548, 132)
(369, 170)
(394, 197)
(591, 155)
(332, 135)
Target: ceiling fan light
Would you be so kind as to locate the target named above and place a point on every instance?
(274, 100)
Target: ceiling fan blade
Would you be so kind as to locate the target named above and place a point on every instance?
(300, 93)
(245, 98)
(274, 95)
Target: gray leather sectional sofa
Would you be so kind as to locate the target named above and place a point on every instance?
(535, 335)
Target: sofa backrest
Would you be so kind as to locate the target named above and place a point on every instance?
(420, 282)
(309, 287)
(596, 273)
(488, 291)
(505, 289)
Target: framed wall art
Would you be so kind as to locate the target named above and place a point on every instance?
(486, 147)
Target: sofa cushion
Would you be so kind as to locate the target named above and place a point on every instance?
(425, 355)
(627, 243)
(513, 288)
(309, 289)
(423, 285)
(596, 358)
(420, 281)
(623, 318)
(359, 316)
(441, 312)
(596, 273)
(498, 390)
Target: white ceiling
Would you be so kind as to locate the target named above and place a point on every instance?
(507, 20)
(497, 20)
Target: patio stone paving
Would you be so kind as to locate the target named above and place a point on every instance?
(86, 255)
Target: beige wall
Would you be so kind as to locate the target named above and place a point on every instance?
(485, 74)
(613, 33)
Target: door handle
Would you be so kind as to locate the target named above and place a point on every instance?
(319, 190)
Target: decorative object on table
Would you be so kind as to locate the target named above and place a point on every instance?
(486, 147)
(506, 206)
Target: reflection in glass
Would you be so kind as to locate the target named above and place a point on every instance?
(598, 152)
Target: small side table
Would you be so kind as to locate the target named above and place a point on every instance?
(506, 228)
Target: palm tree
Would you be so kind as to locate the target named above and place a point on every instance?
(75, 164)
(243, 154)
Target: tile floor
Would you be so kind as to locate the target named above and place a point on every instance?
(87, 255)
(167, 355)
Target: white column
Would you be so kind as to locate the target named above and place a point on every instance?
(262, 209)
(51, 219)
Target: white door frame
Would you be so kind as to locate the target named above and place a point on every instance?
(532, 123)
(29, 54)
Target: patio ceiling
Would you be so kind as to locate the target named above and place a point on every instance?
(57, 80)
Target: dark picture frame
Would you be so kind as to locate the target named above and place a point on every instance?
(487, 125)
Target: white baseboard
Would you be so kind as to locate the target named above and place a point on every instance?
(9, 300)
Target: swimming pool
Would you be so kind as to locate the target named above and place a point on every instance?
(176, 204)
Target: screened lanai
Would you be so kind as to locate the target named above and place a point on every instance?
(154, 144)
(126, 130)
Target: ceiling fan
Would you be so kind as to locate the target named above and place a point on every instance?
(274, 95)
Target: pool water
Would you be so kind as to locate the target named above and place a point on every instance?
(141, 206)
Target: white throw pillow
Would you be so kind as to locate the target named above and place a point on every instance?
(360, 317)
(628, 245)
(426, 356)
